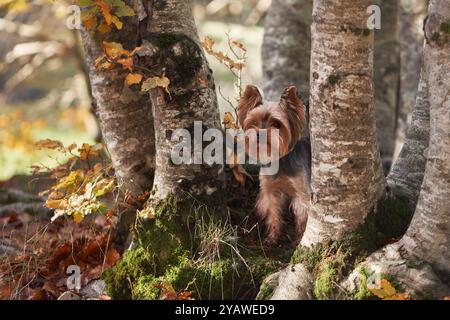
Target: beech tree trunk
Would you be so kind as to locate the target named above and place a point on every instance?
(172, 30)
(124, 113)
(287, 47)
(406, 175)
(347, 178)
(386, 79)
(420, 261)
(412, 15)
(428, 237)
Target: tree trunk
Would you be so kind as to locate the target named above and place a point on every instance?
(412, 15)
(406, 176)
(347, 178)
(346, 172)
(124, 113)
(286, 48)
(428, 236)
(420, 261)
(172, 29)
(386, 79)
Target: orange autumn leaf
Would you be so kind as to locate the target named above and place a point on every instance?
(133, 78)
(106, 11)
(115, 50)
(117, 22)
(89, 22)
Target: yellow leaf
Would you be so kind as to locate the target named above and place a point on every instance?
(115, 50)
(117, 22)
(133, 78)
(106, 11)
(78, 217)
(154, 82)
(229, 122)
(54, 204)
(208, 44)
(384, 291)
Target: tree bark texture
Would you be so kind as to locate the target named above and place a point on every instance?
(124, 113)
(420, 261)
(286, 48)
(406, 175)
(412, 15)
(386, 79)
(428, 236)
(346, 170)
(172, 30)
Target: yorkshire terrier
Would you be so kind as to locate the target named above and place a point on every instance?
(290, 187)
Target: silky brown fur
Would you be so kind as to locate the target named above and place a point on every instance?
(290, 187)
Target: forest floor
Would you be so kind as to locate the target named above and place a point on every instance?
(35, 252)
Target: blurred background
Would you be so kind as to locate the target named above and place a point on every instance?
(43, 81)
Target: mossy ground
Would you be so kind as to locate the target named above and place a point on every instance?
(191, 245)
(331, 262)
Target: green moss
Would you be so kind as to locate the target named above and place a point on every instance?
(363, 292)
(333, 79)
(435, 37)
(185, 243)
(164, 39)
(331, 261)
(147, 288)
(324, 281)
(265, 291)
(133, 265)
(445, 27)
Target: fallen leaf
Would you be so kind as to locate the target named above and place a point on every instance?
(154, 82)
(133, 78)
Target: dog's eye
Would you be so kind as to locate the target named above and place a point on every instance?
(276, 124)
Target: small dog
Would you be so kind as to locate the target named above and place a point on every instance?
(290, 187)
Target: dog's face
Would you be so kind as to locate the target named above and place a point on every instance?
(259, 118)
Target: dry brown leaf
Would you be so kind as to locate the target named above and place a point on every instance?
(154, 82)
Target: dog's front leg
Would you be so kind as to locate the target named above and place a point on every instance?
(300, 208)
(270, 208)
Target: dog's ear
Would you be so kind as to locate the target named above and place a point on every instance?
(249, 100)
(291, 103)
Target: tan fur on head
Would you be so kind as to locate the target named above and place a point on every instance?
(287, 116)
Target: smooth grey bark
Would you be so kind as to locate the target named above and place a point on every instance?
(386, 79)
(420, 261)
(412, 15)
(428, 236)
(124, 113)
(287, 48)
(406, 175)
(347, 178)
(182, 60)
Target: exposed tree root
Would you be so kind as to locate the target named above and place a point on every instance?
(409, 273)
(294, 282)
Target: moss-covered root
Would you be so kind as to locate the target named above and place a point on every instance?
(393, 262)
